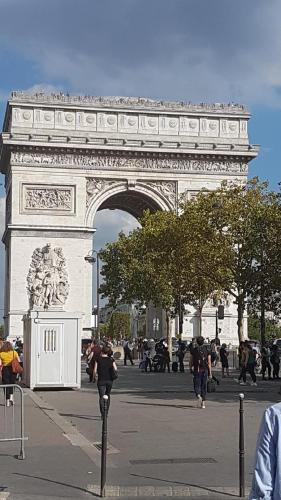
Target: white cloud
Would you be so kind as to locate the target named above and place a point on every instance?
(215, 51)
(109, 223)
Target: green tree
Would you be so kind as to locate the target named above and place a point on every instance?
(273, 329)
(227, 234)
(119, 325)
(137, 268)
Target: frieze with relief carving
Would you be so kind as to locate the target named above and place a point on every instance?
(131, 162)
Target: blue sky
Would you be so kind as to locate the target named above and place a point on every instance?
(192, 50)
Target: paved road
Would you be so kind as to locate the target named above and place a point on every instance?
(158, 439)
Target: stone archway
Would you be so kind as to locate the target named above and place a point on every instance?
(65, 158)
(132, 196)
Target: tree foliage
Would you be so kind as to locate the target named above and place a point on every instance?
(119, 325)
(223, 240)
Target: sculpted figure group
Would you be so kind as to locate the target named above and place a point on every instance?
(47, 278)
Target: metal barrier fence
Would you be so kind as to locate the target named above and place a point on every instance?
(12, 416)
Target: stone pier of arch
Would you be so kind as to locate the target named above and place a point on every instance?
(66, 157)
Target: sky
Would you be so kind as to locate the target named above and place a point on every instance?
(191, 50)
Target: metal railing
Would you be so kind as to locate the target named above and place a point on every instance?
(12, 417)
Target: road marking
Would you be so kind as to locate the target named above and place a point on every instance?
(165, 491)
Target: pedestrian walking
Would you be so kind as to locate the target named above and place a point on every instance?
(243, 357)
(7, 355)
(166, 359)
(275, 361)
(105, 368)
(224, 360)
(251, 363)
(214, 353)
(147, 358)
(93, 356)
(247, 363)
(180, 355)
(265, 361)
(267, 466)
(200, 363)
(127, 353)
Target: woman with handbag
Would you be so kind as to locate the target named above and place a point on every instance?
(8, 361)
(106, 370)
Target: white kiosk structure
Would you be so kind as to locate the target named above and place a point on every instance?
(52, 341)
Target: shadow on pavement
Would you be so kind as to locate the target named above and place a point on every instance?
(83, 417)
(204, 488)
(57, 482)
(159, 404)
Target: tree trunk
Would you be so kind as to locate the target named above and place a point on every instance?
(200, 309)
(262, 318)
(169, 336)
(240, 311)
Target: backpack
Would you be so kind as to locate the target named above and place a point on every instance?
(202, 357)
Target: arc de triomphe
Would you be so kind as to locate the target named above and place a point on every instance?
(65, 157)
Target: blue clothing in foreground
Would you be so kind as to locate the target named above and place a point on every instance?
(267, 474)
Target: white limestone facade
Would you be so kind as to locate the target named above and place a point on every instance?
(66, 157)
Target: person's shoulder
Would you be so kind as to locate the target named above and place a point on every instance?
(274, 410)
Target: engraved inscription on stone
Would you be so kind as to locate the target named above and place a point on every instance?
(52, 198)
(47, 279)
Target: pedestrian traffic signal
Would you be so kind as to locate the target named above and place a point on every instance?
(220, 311)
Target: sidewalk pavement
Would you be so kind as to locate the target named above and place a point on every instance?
(160, 444)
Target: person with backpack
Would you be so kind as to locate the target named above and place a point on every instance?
(251, 363)
(200, 362)
(127, 352)
(180, 355)
(166, 360)
(275, 361)
(224, 360)
(265, 361)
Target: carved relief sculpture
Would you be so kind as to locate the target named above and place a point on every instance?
(132, 162)
(167, 189)
(95, 186)
(51, 198)
(47, 280)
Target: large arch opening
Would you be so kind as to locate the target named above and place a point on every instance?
(119, 212)
(132, 202)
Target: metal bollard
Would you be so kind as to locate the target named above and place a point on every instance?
(241, 448)
(104, 446)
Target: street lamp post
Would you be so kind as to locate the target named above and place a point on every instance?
(91, 259)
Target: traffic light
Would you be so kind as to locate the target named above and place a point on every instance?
(221, 311)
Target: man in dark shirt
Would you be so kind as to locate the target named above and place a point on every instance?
(200, 362)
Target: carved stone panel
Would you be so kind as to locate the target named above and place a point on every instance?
(48, 199)
(44, 118)
(167, 189)
(168, 125)
(47, 279)
(96, 186)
